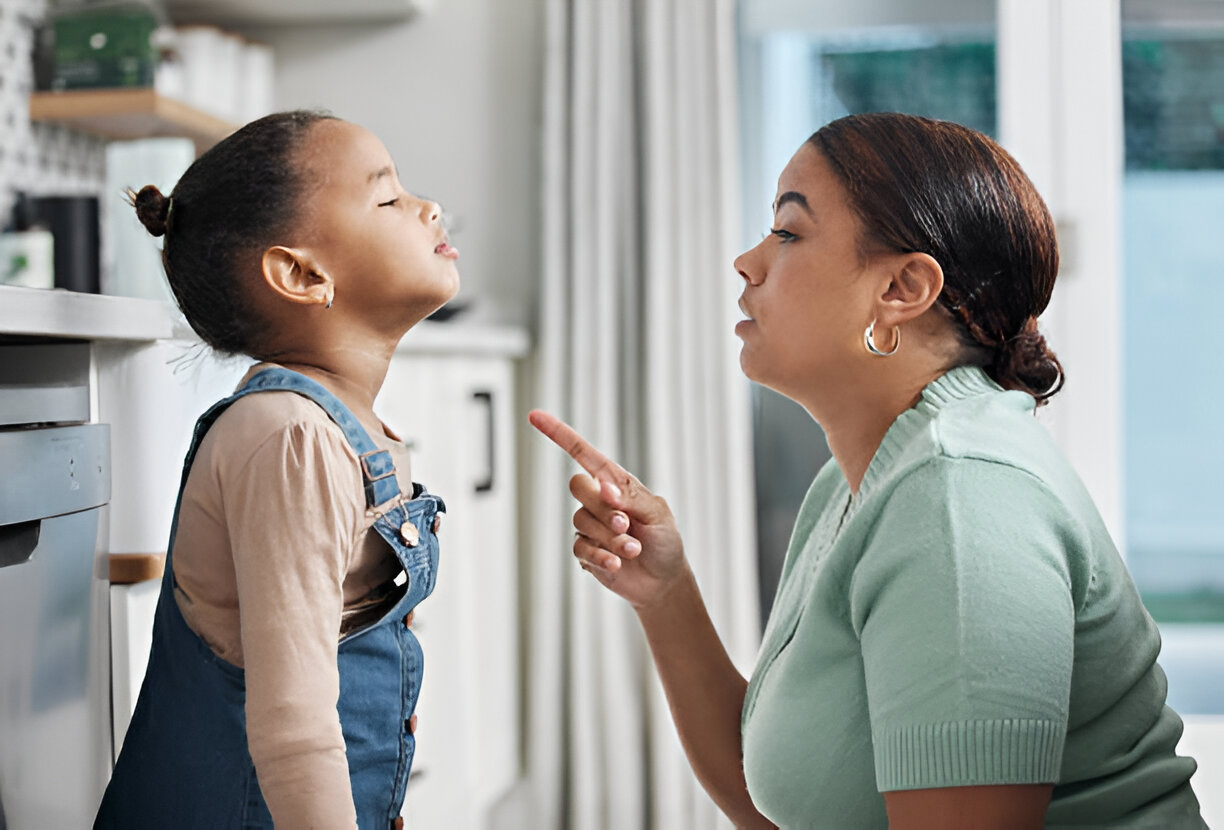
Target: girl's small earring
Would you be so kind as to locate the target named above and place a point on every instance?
(869, 341)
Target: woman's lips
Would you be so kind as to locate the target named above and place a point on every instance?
(743, 325)
(444, 249)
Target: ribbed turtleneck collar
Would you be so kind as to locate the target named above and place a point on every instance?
(954, 385)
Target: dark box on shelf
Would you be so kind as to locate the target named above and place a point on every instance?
(104, 46)
(74, 225)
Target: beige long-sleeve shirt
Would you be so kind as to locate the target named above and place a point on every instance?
(274, 560)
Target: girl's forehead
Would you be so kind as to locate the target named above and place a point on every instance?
(340, 152)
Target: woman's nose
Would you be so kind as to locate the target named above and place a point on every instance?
(743, 267)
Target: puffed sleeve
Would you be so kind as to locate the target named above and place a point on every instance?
(293, 509)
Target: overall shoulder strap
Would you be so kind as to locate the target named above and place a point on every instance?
(377, 466)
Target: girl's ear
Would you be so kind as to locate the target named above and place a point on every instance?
(915, 284)
(294, 276)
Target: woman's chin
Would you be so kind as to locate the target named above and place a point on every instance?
(747, 364)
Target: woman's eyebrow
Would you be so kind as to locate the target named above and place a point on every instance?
(796, 197)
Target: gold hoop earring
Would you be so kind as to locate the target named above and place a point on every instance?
(869, 342)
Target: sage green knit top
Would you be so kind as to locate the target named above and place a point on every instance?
(963, 619)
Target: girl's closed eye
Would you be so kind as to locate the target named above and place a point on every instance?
(389, 203)
(782, 234)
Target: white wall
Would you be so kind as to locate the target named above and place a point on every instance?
(455, 95)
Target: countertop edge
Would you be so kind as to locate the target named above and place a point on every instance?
(55, 312)
(40, 312)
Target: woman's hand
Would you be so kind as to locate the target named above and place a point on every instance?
(627, 536)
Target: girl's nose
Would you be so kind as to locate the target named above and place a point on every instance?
(431, 211)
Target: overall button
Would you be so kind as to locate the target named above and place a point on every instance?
(410, 534)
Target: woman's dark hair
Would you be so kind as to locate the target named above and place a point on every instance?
(942, 189)
(236, 199)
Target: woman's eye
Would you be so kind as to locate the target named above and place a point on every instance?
(784, 235)
(390, 203)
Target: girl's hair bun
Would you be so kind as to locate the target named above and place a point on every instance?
(152, 208)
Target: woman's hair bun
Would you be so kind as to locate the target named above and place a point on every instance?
(1026, 362)
(152, 208)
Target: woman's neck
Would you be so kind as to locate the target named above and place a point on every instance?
(854, 444)
(855, 424)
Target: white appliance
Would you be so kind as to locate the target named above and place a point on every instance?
(54, 630)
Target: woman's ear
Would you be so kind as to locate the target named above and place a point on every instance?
(294, 276)
(915, 284)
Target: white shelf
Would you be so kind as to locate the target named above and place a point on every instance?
(128, 113)
(242, 13)
(74, 315)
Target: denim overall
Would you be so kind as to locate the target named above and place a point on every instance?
(184, 762)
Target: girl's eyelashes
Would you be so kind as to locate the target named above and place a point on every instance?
(389, 203)
(784, 235)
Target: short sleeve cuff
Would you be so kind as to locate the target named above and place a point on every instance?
(969, 753)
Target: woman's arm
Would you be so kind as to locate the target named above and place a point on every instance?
(627, 539)
(1012, 807)
(705, 693)
(965, 612)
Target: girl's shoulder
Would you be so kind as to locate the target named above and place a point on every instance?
(253, 419)
(280, 430)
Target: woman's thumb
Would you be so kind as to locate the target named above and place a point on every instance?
(639, 502)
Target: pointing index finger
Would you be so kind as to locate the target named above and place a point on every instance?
(579, 449)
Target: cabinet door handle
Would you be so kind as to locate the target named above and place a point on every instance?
(17, 543)
(486, 485)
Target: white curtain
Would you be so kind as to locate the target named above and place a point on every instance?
(636, 349)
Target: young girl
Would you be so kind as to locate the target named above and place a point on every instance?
(283, 676)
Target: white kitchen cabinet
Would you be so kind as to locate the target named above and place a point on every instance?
(150, 392)
(132, 608)
(457, 413)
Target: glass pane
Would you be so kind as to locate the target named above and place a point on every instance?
(1173, 205)
(795, 80)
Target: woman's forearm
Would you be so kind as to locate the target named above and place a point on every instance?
(705, 693)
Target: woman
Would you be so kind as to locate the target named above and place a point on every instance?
(955, 641)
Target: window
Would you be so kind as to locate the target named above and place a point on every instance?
(1172, 268)
(794, 82)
